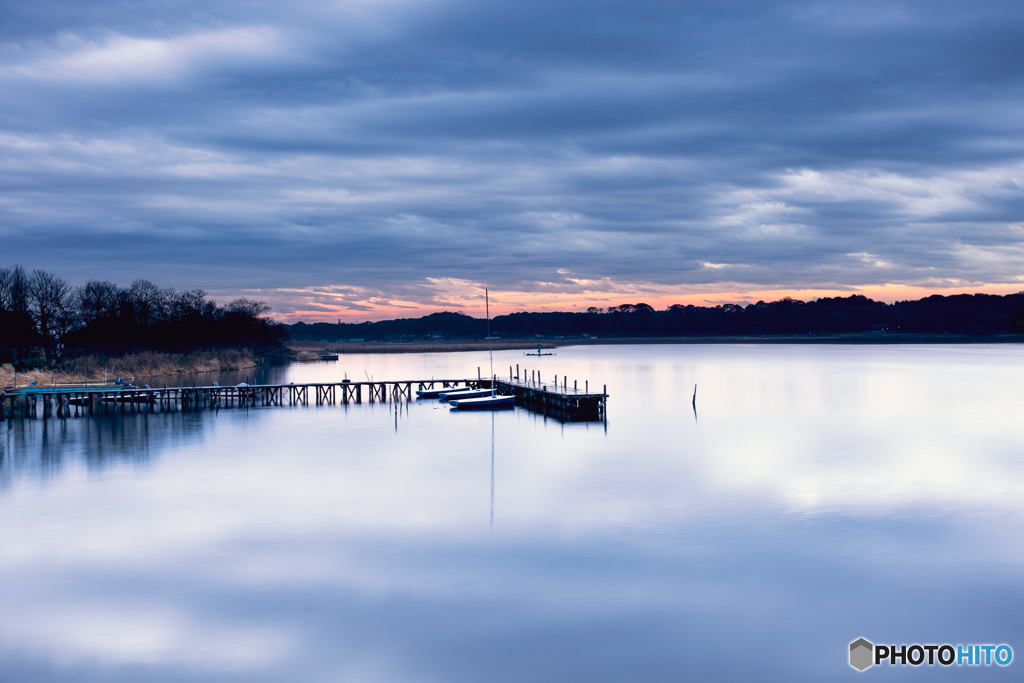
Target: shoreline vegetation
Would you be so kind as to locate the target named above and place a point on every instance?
(310, 351)
(144, 365)
(853, 319)
(51, 330)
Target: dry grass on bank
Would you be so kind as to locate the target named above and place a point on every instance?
(133, 366)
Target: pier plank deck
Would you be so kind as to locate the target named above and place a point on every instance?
(558, 401)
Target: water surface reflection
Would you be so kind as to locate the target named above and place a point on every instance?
(824, 494)
(42, 447)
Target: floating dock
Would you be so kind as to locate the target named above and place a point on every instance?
(562, 403)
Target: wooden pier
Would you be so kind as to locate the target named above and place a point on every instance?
(30, 402)
(554, 397)
(565, 404)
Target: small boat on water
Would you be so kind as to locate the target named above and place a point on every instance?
(436, 393)
(483, 402)
(328, 356)
(464, 393)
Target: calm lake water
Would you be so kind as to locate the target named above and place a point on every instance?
(818, 494)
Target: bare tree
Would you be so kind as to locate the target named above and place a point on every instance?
(96, 300)
(253, 309)
(66, 320)
(51, 306)
(13, 290)
(150, 302)
(189, 303)
(17, 329)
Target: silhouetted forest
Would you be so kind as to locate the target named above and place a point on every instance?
(42, 315)
(971, 314)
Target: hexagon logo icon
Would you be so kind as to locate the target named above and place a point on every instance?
(861, 654)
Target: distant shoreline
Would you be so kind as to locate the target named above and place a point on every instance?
(452, 346)
(457, 345)
(857, 338)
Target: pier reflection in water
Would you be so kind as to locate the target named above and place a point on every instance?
(41, 448)
(826, 493)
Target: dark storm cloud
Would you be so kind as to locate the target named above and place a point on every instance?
(374, 145)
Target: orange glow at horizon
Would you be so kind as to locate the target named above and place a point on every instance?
(313, 306)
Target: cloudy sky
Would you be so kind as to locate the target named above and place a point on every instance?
(367, 159)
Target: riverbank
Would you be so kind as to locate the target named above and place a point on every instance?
(852, 338)
(311, 351)
(132, 367)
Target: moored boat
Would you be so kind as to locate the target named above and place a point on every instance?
(436, 393)
(483, 402)
(479, 399)
(464, 393)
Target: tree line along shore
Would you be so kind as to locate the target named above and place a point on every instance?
(51, 331)
(852, 319)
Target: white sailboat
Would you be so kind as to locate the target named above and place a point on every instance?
(487, 399)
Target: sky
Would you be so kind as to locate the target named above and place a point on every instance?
(379, 159)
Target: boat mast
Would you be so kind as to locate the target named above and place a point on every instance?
(490, 344)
